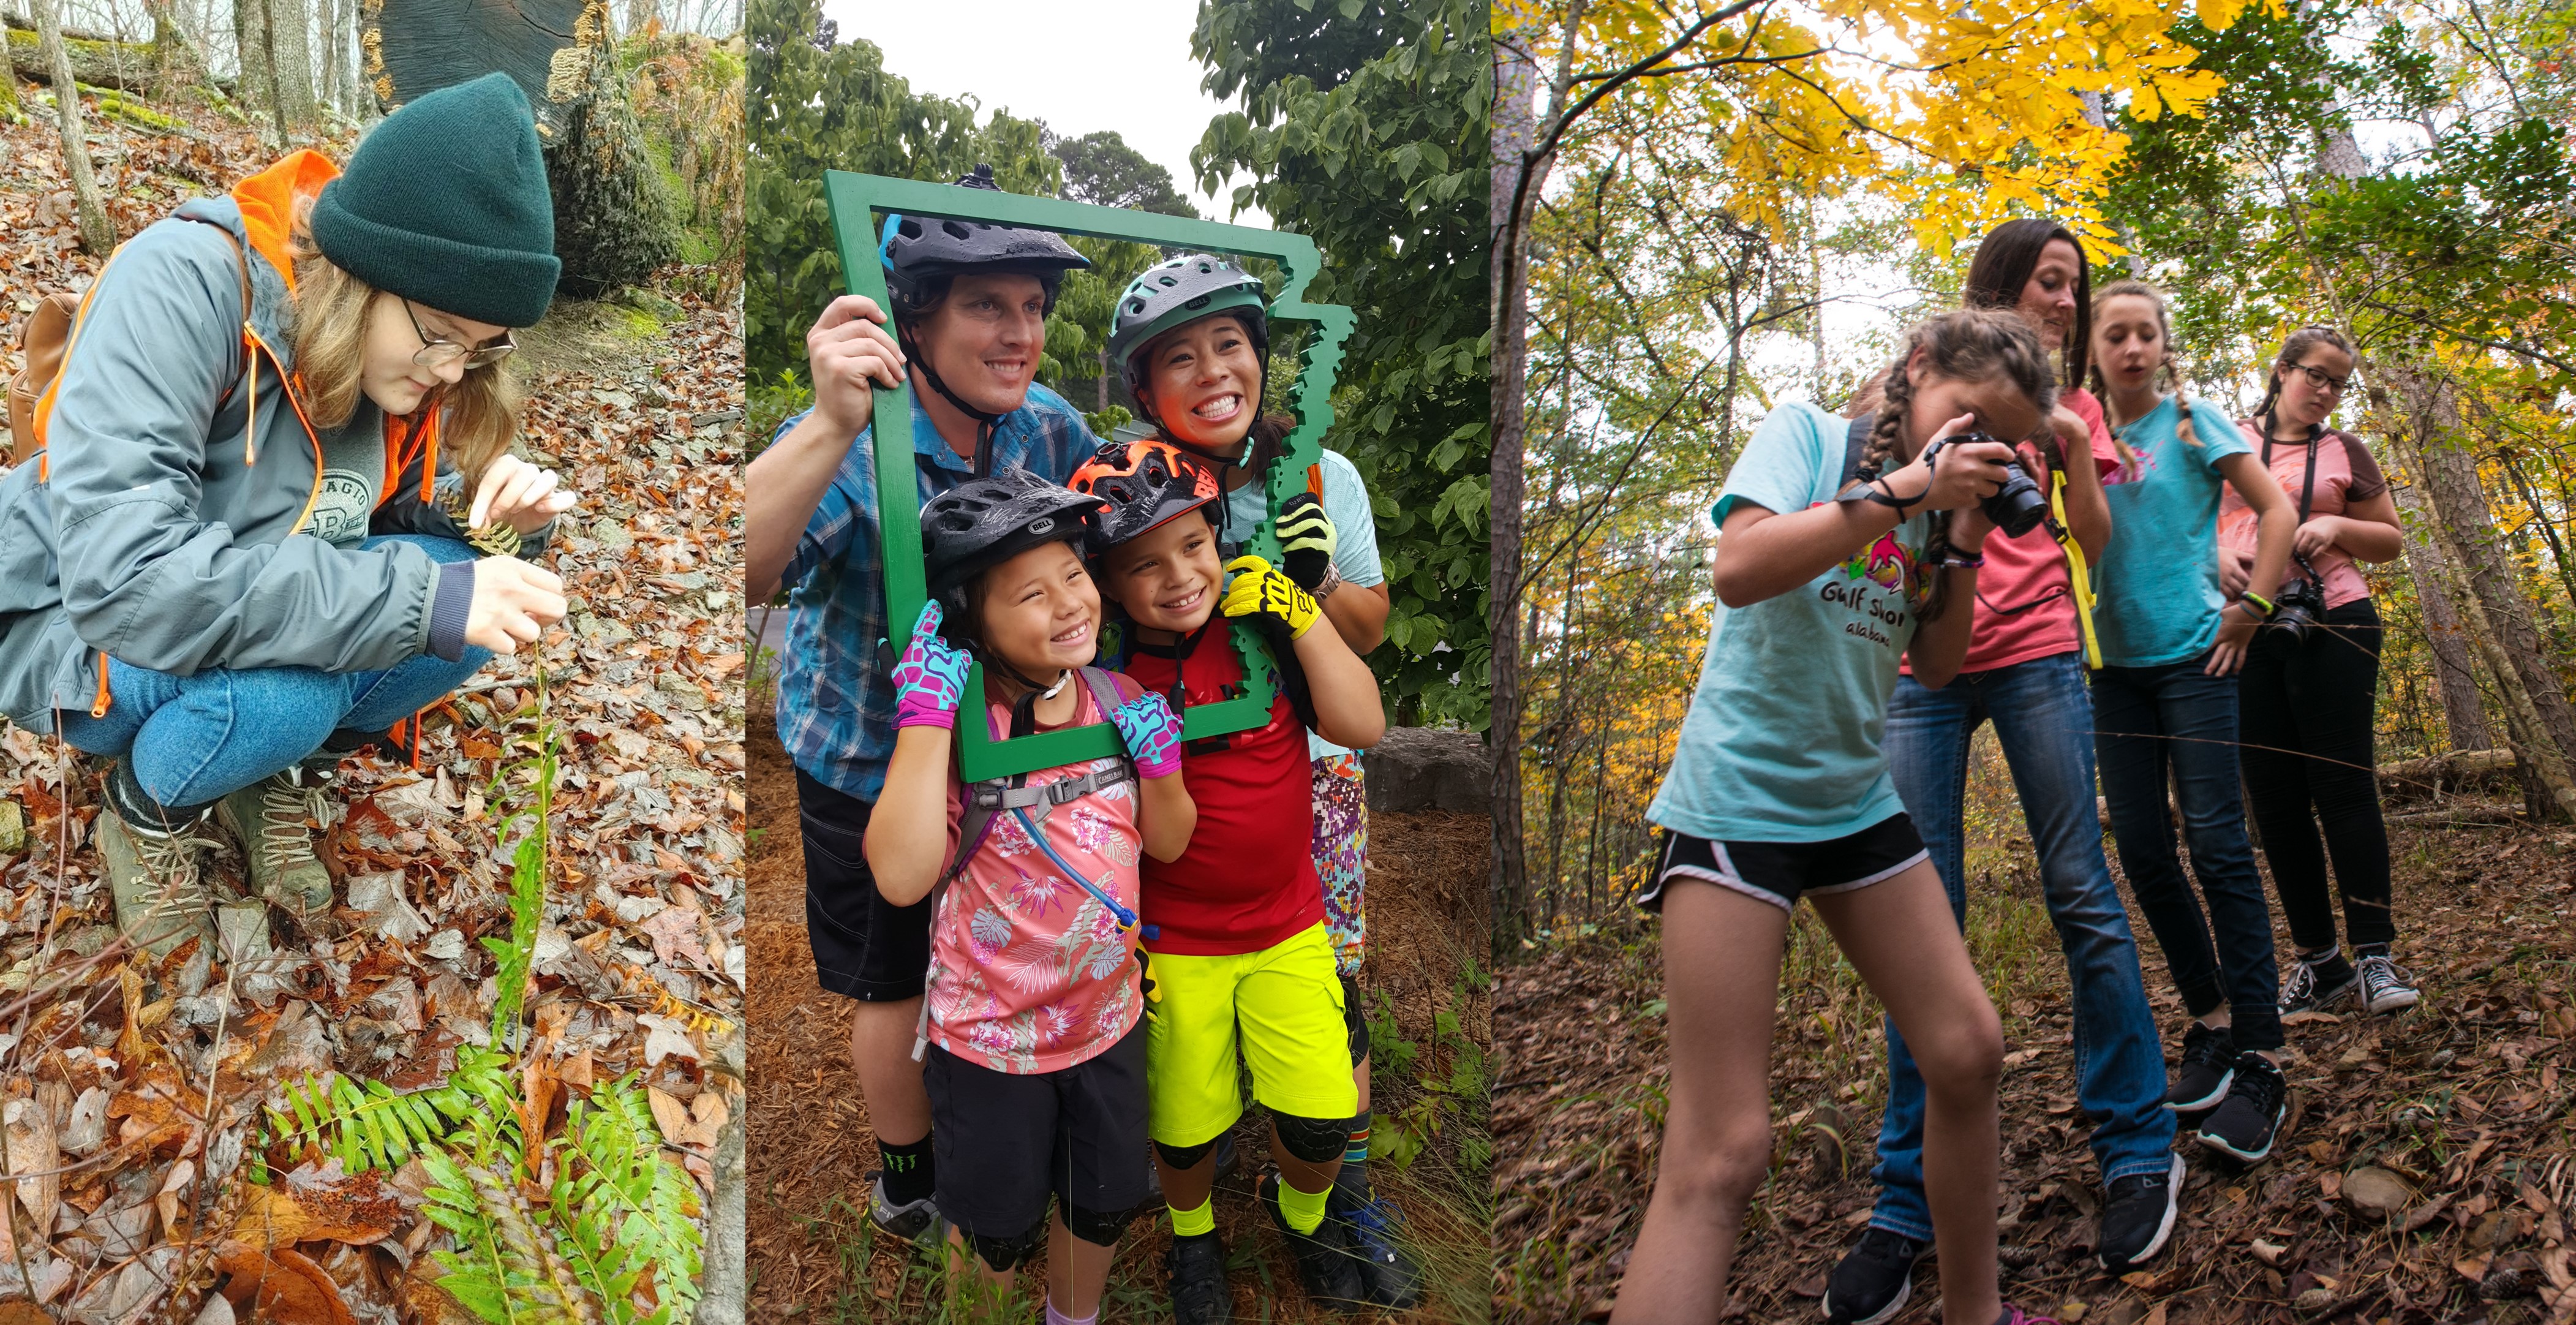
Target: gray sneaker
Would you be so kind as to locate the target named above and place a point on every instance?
(913, 1221)
(157, 878)
(2301, 991)
(2383, 985)
(271, 819)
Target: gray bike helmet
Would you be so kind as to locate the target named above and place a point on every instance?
(1175, 294)
(921, 254)
(984, 522)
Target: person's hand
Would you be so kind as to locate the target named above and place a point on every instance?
(2235, 634)
(851, 354)
(2317, 535)
(1269, 597)
(513, 604)
(1152, 732)
(1968, 530)
(930, 678)
(2235, 570)
(1963, 473)
(1306, 540)
(518, 494)
(2072, 431)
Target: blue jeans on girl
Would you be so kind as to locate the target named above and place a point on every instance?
(2044, 723)
(192, 739)
(2174, 724)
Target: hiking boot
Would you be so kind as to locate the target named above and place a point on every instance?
(1387, 1276)
(157, 877)
(1326, 1265)
(1197, 1268)
(2138, 1216)
(912, 1221)
(2301, 991)
(1873, 1279)
(2384, 986)
(270, 819)
(2245, 1122)
(2208, 1063)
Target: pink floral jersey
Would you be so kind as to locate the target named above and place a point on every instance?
(1028, 972)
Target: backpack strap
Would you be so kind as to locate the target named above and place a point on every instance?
(988, 800)
(1855, 441)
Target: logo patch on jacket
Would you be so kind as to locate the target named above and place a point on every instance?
(340, 512)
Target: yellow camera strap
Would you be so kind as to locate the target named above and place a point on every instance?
(2079, 578)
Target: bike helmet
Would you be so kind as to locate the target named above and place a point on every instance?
(984, 522)
(1175, 294)
(1144, 483)
(921, 254)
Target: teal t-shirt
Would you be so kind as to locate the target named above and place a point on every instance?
(1781, 743)
(2156, 585)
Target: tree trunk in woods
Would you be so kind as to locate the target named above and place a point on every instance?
(290, 30)
(326, 14)
(98, 235)
(2463, 711)
(1516, 87)
(638, 13)
(2480, 579)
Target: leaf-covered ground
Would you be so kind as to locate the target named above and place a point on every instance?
(2463, 1100)
(136, 1092)
(815, 1257)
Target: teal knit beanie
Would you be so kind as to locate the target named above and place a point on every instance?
(445, 203)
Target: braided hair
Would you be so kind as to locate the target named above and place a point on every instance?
(2292, 351)
(1971, 345)
(2173, 379)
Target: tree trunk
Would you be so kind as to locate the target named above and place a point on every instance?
(1514, 128)
(638, 13)
(2463, 711)
(291, 34)
(326, 16)
(98, 235)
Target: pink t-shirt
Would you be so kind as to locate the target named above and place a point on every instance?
(2345, 474)
(1028, 972)
(2026, 576)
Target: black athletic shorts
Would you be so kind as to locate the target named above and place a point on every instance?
(864, 946)
(1004, 1142)
(1782, 872)
(1355, 1019)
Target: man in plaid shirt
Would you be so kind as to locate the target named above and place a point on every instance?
(970, 324)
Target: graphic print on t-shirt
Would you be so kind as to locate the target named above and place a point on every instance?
(1891, 568)
(340, 510)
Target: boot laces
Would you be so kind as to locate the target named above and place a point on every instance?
(284, 806)
(174, 860)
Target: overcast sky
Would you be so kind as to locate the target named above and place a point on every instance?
(1072, 65)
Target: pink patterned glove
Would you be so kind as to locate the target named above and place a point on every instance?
(930, 678)
(1153, 734)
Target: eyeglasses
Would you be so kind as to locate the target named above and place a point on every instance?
(436, 352)
(2317, 378)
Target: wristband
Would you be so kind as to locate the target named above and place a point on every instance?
(2261, 603)
(1954, 561)
(1332, 580)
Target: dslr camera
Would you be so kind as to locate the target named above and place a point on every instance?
(2015, 508)
(2301, 602)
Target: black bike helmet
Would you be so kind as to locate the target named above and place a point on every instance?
(1175, 294)
(984, 522)
(1145, 482)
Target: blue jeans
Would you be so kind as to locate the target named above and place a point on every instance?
(2173, 724)
(192, 739)
(2044, 723)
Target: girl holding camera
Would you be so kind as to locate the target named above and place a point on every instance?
(2310, 695)
(2165, 712)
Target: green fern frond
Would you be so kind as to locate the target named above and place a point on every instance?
(507, 1268)
(616, 1190)
(368, 1124)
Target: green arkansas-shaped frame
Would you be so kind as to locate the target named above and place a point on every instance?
(858, 205)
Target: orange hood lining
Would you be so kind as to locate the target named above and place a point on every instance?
(268, 200)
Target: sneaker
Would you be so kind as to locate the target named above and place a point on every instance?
(1326, 1265)
(1199, 1292)
(2137, 1217)
(2300, 991)
(913, 1221)
(1874, 1278)
(2208, 1064)
(271, 818)
(2383, 984)
(1388, 1277)
(158, 880)
(2243, 1124)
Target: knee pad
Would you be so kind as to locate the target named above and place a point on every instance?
(1006, 1254)
(1184, 1157)
(1314, 1140)
(1097, 1227)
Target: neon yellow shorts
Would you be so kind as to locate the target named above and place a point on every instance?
(1287, 1002)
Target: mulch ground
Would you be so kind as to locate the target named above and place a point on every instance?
(2462, 1100)
(815, 1257)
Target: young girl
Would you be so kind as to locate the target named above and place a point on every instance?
(1828, 571)
(240, 555)
(1036, 1063)
(2309, 704)
(2164, 709)
(2024, 672)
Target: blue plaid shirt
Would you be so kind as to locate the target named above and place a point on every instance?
(835, 704)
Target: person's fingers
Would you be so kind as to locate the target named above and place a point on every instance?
(846, 309)
(513, 496)
(495, 476)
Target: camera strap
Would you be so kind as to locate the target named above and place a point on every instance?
(2307, 492)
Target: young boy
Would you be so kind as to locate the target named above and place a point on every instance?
(1234, 928)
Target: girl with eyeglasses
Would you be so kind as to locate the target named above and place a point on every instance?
(2310, 696)
(241, 553)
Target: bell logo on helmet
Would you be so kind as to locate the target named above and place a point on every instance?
(1039, 528)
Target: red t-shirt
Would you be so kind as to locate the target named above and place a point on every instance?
(1247, 881)
(2029, 573)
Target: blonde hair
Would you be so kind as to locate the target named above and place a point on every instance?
(2164, 327)
(332, 311)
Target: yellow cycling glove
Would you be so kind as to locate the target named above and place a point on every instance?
(1260, 592)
